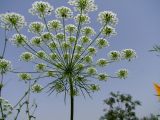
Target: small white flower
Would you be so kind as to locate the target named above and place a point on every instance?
(36, 27)
(41, 54)
(53, 45)
(40, 67)
(25, 76)
(128, 54)
(102, 62)
(60, 36)
(103, 77)
(108, 18)
(5, 66)
(19, 40)
(83, 5)
(71, 39)
(36, 41)
(63, 12)
(66, 45)
(79, 48)
(92, 50)
(122, 73)
(101, 43)
(85, 40)
(91, 71)
(53, 56)
(47, 36)
(37, 88)
(94, 87)
(26, 56)
(12, 20)
(70, 28)
(82, 18)
(54, 25)
(108, 31)
(88, 59)
(41, 9)
(114, 55)
(88, 31)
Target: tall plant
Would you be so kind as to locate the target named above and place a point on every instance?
(6, 109)
(64, 51)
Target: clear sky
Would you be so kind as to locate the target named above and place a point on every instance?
(138, 28)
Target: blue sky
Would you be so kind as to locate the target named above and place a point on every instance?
(138, 28)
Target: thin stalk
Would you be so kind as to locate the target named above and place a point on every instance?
(1, 107)
(71, 99)
(59, 55)
(77, 36)
(5, 44)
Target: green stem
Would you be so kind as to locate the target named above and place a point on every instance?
(71, 99)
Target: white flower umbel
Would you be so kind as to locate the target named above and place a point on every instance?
(5, 66)
(36, 27)
(63, 12)
(37, 88)
(19, 40)
(82, 18)
(54, 25)
(41, 9)
(128, 54)
(26, 56)
(122, 73)
(88, 31)
(102, 76)
(109, 31)
(24, 76)
(36, 41)
(83, 5)
(7, 108)
(107, 18)
(114, 55)
(12, 20)
(70, 28)
(102, 62)
(101, 43)
(41, 67)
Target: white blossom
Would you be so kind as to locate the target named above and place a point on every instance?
(36, 27)
(108, 18)
(41, 9)
(83, 5)
(63, 12)
(19, 40)
(12, 21)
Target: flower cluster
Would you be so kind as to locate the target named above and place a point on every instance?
(54, 25)
(12, 21)
(122, 73)
(64, 12)
(128, 54)
(5, 66)
(83, 5)
(36, 27)
(25, 76)
(26, 56)
(37, 88)
(66, 52)
(6, 107)
(82, 18)
(41, 9)
(19, 40)
(108, 17)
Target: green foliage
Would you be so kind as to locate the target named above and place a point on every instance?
(120, 107)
